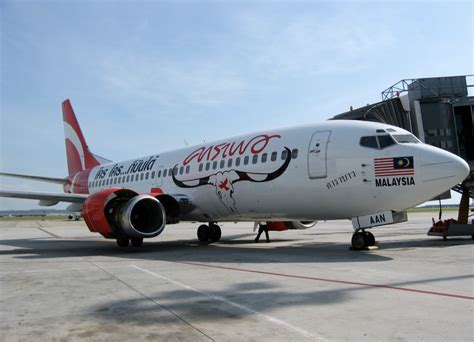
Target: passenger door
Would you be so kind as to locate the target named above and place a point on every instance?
(317, 155)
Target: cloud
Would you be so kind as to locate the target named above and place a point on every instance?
(310, 44)
(172, 82)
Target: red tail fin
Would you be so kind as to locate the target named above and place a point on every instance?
(78, 154)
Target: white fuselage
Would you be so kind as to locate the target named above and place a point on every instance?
(329, 174)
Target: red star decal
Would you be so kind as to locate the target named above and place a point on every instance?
(224, 185)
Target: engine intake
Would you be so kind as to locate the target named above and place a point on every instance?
(142, 216)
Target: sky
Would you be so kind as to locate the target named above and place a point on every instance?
(148, 76)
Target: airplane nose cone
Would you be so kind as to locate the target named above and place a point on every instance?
(442, 167)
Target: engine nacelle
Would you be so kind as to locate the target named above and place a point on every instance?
(300, 224)
(285, 225)
(117, 212)
(143, 216)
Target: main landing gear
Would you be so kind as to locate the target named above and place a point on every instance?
(362, 239)
(124, 241)
(211, 232)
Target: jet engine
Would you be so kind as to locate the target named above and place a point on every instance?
(121, 213)
(285, 225)
(143, 216)
(300, 224)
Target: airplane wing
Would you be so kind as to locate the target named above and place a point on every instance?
(47, 197)
(37, 178)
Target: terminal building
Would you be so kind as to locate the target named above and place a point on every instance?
(440, 112)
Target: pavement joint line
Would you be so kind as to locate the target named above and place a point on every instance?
(47, 232)
(241, 307)
(151, 299)
(60, 269)
(345, 282)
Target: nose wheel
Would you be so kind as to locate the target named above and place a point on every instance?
(362, 240)
(211, 232)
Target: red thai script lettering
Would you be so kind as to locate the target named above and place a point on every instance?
(257, 144)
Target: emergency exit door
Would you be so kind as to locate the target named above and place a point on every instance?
(317, 154)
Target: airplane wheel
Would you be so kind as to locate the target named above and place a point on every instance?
(137, 242)
(215, 233)
(123, 241)
(370, 239)
(203, 233)
(359, 241)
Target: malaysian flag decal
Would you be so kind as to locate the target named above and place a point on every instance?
(390, 167)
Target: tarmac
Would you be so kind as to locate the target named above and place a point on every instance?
(58, 282)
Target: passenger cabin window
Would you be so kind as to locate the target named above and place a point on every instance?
(246, 160)
(274, 156)
(153, 174)
(200, 167)
(159, 174)
(406, 139)
(146, 175)
(264, 158)
(208, 165)
(165, 173)
(181, 170)
(188, 168)
(141, 177)
(255, 159)
(237, 161)
(175, 171)
(284, 154)
(214, 165)
(222, 164)
(229, 163)
(294, 153)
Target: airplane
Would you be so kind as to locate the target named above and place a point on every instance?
(366, 172)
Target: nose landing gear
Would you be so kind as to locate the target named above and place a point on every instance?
(211, 232)
(362, 239)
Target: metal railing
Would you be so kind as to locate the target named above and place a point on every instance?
(404, 86)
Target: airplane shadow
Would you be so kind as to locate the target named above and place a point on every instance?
(227, 250)
(232, 248)
(214, 305)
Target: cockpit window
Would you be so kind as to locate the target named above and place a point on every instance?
(369, 142)
(377, 142)
(406, 139)
(385, 141)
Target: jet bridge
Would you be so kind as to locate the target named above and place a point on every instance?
(440, 112)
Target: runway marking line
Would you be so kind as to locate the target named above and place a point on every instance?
(345, 282)
(234, 304)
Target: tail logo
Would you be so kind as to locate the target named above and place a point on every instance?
(72, 136)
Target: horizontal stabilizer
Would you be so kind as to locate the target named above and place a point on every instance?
(61, 181)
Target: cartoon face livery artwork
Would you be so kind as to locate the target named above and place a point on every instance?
(397, 171)
(224, 181)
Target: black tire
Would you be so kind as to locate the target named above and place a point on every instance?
(359, 241)
(203, 233)
(215, 233)
(137, 242)
(123, 241)
(370, 239)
